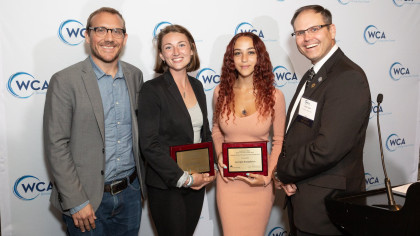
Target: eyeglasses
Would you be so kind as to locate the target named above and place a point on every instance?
(310, 30)
(102, 31)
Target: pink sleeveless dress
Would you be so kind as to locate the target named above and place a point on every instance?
(243, 209)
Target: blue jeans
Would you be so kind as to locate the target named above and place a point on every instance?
(117, 215)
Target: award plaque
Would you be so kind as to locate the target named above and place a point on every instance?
(194, 158)
(245, 157)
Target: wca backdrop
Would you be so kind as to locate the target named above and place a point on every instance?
(39, 38)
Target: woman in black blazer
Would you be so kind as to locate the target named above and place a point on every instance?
(172, 111)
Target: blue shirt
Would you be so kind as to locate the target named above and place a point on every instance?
(119, 156)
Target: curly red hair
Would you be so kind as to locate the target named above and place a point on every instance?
(263, 80)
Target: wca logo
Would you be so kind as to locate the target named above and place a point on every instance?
(71, 32)
(393, 142)
(398, 71)
(278, 231)
(345, 2)
(247, 27)
(24, 85)
(209, 78)
(283, 76)
(371, 181)
(400, 3)
(160, 26)
(373, 35)
(375, 109)
(29, 187)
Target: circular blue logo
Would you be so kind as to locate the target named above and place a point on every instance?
(278, 231)
(392, 142)
(375, 110)
(244, 27)
(24, 188)
(71, 32)
(398, 4)
(371, 181)
(209, 78)
(283, 76)
(20, 85)
(29, 187)
(159, 27)
(397, 71)
(344, 2)
(370, 34)
(247, 27)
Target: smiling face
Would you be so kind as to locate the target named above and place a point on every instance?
(316, 45)
(176, 51)
(106, 49)
(244, 57)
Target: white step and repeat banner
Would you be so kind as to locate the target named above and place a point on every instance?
(39, 38)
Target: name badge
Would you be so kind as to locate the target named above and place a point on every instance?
(307, 110)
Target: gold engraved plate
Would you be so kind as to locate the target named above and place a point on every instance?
(194, 161)
(245, 159)
(194, 158)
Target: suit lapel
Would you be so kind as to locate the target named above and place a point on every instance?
(289, 110)
(92, 89)
(131, 87)
(176, 95)
(130, 84)
(319, 78)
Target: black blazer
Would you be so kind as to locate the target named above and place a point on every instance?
(164, 121)
(327, 157)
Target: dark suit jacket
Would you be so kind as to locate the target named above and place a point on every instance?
(164, 121)
(327, 157)
(74, 134)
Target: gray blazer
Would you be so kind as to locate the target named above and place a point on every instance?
(74, 139)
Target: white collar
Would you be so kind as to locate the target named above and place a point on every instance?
(318, 65)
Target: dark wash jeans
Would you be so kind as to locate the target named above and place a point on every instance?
(117, 215)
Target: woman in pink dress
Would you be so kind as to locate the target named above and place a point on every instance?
(246, 107)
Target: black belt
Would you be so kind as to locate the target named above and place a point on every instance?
(118, 186)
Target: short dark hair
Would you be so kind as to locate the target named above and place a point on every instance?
(160, 66)
(326, 14)
(101, 10)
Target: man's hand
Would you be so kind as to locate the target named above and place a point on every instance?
(85, 218)
(289, 189)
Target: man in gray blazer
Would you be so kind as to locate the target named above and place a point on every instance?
(91, 135)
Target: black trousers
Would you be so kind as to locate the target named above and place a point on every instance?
(175, 211)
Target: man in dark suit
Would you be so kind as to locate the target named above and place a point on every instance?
(91, 135)
(326, 125)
